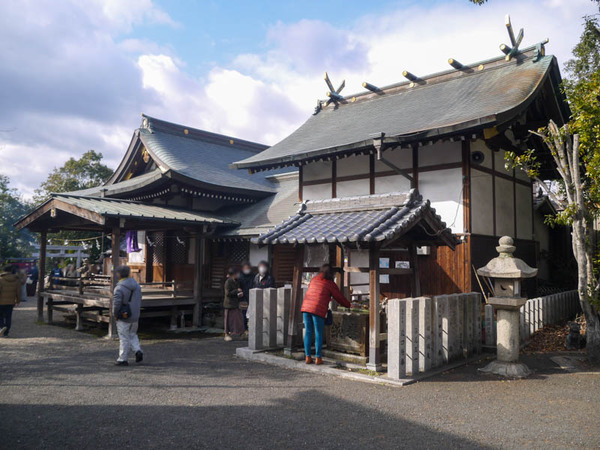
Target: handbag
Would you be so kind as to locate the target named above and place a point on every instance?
(329, 318)
(125, 310)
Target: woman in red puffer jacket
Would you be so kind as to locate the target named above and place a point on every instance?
(314, 309)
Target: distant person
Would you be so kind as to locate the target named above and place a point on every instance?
(70, 272)
(10, 296)
(234, 322)
(55, 273)
(263, 278)
(127, 292)
(314, 310)
(246, 282)
(34, 276)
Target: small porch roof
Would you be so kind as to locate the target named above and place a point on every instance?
(77, 212)
(362, 220)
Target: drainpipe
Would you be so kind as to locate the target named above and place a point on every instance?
(379, 147)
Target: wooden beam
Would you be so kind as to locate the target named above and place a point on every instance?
(374, 308)
(415, 282)
(300, 182)
(42, 275)
(199, 245)
(296, 303)
(116, 250)
(415, 166)
(371, 174)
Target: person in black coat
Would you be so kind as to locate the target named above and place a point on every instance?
(263, 278)
(246, 282)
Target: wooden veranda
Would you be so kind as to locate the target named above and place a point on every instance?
(114, 217)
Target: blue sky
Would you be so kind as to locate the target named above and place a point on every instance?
(76, 74)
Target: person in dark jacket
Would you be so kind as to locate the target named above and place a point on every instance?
(263, 278)
(10, 296)
(127, 291)
(320, 291)
(34, 276)
(246, 282)
(234, 322)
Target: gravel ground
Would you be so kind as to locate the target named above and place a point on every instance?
(59, 389)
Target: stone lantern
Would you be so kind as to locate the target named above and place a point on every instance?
(507, 273)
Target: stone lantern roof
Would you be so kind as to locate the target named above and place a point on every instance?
(506, 265)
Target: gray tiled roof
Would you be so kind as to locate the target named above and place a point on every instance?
(201, 155)
(140, 181)
(446, 103)
(356, 220)
(259, 217)
(110, 207)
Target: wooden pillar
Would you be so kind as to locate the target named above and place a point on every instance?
(415, 285)
(198, 278)
(374, 308)
(116, 250)
(42, 275)
(296, 300)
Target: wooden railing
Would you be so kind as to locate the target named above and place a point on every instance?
(100, 285)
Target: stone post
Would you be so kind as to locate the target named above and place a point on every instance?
(425, 351)
(284, 297)
(255, 320)
(269, 318)
(397, 339)
(412, 337)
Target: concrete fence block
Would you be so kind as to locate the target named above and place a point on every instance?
(255, 320)
(412, 337)
(425, 334)
(477, 331)
(490, 336)
(469, 299)
(538, 313)
(444, 303)
(269, 318)
(397, 338)
(455, 327)
(522, 324)
(284, 299)
(440, 308)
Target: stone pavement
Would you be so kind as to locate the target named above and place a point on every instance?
(59, 389)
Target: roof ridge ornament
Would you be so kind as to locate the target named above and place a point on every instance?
(515, 42)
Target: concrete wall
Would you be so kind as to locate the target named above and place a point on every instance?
(425, 333)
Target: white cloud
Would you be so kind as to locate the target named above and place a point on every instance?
(82, 86)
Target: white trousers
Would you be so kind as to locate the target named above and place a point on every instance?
(128, 339)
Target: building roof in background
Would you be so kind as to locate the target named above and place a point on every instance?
(267, 213)
(361, 220)
(96, 210)
(200, 155)
(141, 181)
(477, 96)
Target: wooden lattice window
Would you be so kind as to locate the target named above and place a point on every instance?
(178, 249)
(157, 241)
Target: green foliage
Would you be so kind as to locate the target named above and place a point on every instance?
(13, 243)
(83, 173)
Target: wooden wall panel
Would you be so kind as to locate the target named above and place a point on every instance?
(284, 257)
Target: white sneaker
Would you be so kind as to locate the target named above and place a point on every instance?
(3, 330)
(228, 338)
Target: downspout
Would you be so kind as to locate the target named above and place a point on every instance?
(379, 147)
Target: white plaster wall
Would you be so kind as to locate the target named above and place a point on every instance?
(320, 170)
(500, 163)
(521, 175)
(479, 145)
(504, 207)
(394, 183)
(350, 188)
(444, 189)
(524, 211)
(359, 258)
(258, 254)
(482, 206)
(542, 235)
(353, 165)
(440, 153)
(316, 192)
(400, 157)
